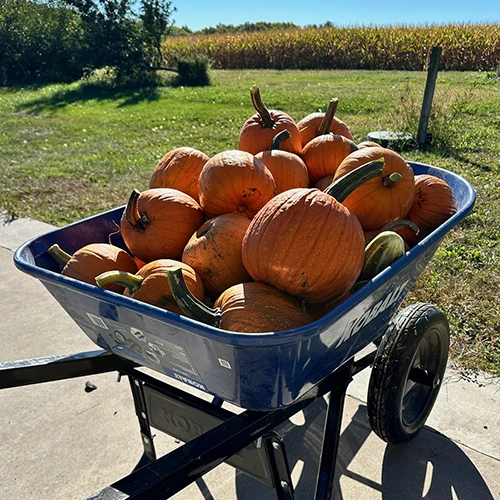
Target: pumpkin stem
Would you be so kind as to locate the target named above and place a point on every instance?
(326, 122)
(190, 305)
(267, 121)
(59, 254)
(391, 180)
(279, 138)
(137, 220)
(129, 280)
(345, 185)
(401, 224)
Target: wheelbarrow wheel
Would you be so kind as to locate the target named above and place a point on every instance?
(407, 372)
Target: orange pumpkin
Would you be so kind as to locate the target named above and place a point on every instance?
(245, 307)
(323, 154)
(179, 169)
(385, 198)
(214, 252)
(93, 259)
(313, 124)
(368, 144)
(258, 131)
(235, 182)
(324, 182)
(158, 223)
(305, 242)
(151, 284)
(433, 204)
(288, 169)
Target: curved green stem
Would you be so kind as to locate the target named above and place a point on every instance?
(129, 280)
(189, 304)
(343, 187)
(326, 122)
(401, 224)
(267, 121)
(279, 138)
(59, 254)
(392, 179)
(137, 220)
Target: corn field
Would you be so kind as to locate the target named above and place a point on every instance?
(466, 47)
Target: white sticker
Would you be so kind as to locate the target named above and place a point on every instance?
(224, 363)
(97, 321)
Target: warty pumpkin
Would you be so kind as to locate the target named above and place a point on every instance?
(91, 260)
(151, 284)
(245, 307)
(214, 252)
(235, 182)
(306, 243)
(434, 203)
(320, 123)
(288, 169)
(385, 198)
(258, 131)
(157, 223)
(179, 169)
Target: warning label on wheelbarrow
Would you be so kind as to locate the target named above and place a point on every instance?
(142, 346)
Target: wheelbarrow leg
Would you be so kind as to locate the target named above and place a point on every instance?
(141, 411)
(331, 435)
(278, 464)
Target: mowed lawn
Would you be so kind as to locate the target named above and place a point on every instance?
(69, 151)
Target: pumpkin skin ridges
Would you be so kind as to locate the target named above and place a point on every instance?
(179, 169)
(373, 204)
(214, 252)
(236, 182)
(260, 308)
(173, 217)
(272, 252)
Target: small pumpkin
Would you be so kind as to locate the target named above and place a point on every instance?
(91, 260)
(157, 223)
(368, 144)
(151, 284)
(385, 198)
(214, 252)
(394, 225)
(306, 243)
(245, 307)
(434, 203)
(179, 169)
(288, 169)
(235, 182)
(258, 131)
(314, 124)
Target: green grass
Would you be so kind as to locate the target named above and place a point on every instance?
(69, 151)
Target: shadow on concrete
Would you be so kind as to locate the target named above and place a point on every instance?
(84, 93)
(430, 467)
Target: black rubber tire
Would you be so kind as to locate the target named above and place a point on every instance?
(418, 338)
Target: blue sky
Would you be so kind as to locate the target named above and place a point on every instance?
(198, 14)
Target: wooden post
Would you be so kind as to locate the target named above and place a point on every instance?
(430, 85)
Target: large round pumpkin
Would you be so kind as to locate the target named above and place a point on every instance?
(433, 204)
(311, 125)
(288, 169)
(305, 242)
(158, 223)
(179, 169)
(235, 182)
(385, 198)
(214, 252)
(258, 131)
(94, 259)
(151, 284)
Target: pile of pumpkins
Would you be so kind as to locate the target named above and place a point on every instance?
(271, 236)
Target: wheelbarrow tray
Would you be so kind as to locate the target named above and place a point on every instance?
(261, 371)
